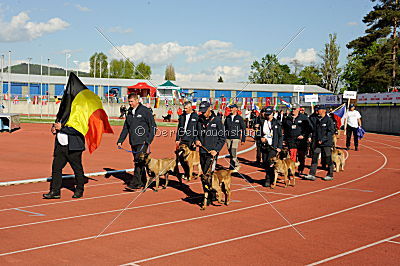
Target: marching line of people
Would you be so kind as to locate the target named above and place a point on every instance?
(206, 133)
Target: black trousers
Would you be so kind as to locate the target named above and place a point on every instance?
(349, 131)
(139, 175)
(267, 154)
(327, 157)
(206, 162)
(62, 156)
(302, 148)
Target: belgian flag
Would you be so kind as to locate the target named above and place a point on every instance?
(83, 110)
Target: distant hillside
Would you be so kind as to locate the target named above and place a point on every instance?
(35, 70)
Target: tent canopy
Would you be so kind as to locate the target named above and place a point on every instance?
(168, 90)
(142, 89)
(168, 83)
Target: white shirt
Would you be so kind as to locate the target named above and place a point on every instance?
(62, 138)
(352, 118)
(268, 132)
(186, 121)
(232, 117)
(134, 111)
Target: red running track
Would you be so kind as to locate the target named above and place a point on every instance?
(351, 220)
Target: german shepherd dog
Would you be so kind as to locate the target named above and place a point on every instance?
(188, 159)
(284, 167)
(158, 167)
(219, 181)
(338, 159)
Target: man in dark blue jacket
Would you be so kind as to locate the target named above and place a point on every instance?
(322, 140)
(68, 148)
(235, 131)
(210, 138)
(141, 127)
(271, 142)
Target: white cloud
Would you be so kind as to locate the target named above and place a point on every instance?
(304, 57)
(82, 8)
(352, 23)
(84, 66)
(163, 53)
(21, 29)
(228, 74)
(119, 29)
(157, 54)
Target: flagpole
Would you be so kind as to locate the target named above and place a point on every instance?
(41, 86)
(2, 81)
(29, 78)
(108, 91)
(345, 121)
(48, 86)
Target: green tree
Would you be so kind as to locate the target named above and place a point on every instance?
(98, 64)
(142, 71)
(268, 71)
(310, 75)
(330, 62)
(220, 79)
(380, 68)
(169, 73)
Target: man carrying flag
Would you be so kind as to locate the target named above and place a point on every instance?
(81, 116)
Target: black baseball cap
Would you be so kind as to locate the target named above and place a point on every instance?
(318, 107)
(352, 105)
(204, 106)
(268, 110)
(233, 106)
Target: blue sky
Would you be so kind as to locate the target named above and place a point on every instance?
(202, 39)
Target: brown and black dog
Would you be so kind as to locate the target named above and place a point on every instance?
(284, 168)
(219, 181)
(188, 159)
(158, 167)
(338, 159)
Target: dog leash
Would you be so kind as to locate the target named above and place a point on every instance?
(134, 152)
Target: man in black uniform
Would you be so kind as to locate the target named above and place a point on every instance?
(297, 128)
(271, 142)
(187, 132)
(68, 147)
(257, 135)
(235, 131)
(323, 130)
(141, 127)
(210, 138)
(187, 127)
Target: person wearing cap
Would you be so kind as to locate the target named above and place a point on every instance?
(322, 134)
(353, 118)
(271, 142)
(296, 129)
(235, 132)
(210, 137)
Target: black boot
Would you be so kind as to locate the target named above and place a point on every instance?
(53, 194)
(78, 194)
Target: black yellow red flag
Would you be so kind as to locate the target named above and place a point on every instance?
(82, 110)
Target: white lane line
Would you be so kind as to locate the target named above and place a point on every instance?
(100, 173)
(270, 192)
(394, 147)
(44, 191)
(354, 250)
(205, 216)
(395, 242)
(82, 199)
(266, 231)
(34, 213)
(355, 189)
(102, 212)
